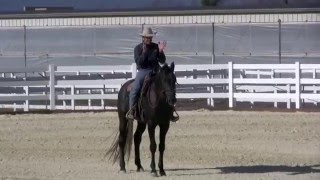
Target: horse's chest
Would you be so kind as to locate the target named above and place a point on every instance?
(159, 112)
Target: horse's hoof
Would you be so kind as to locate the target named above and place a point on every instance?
(163, 173)
(122, 171)
(140, 169)
(154, 174)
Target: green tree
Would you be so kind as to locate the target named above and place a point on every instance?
(209, 2)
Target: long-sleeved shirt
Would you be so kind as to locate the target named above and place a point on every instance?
(150, 58)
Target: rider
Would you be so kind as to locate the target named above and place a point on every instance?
(147, 56)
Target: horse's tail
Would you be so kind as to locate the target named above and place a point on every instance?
(114, 150)
(127, 130)
(129, 139)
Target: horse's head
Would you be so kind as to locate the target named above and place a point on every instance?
(168, 83)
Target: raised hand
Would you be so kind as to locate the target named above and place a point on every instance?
(162, 45)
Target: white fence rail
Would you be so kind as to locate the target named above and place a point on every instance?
(60, 87)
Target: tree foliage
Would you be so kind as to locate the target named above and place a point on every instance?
(209, 2)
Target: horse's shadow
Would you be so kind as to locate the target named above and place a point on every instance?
(291, 170)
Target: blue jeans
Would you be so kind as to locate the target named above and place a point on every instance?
(137, 85)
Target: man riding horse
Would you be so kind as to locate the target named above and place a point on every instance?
(147, 56)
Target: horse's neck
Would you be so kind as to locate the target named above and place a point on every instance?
(156, 88)
(156, 83)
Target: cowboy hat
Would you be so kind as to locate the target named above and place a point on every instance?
(147, 32)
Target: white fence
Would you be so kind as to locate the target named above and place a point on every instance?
(61, 87)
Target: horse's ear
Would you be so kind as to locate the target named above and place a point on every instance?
(172, 66)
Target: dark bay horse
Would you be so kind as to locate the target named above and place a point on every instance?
(156, 108)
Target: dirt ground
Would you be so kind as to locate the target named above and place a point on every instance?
(202, 145)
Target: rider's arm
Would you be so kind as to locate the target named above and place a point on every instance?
(140, 57)
(161, 57)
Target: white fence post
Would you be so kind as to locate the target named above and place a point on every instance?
(231, 99)
(289, 100)
(134, 70)
(64, 101)
(275, 104)
(45, 93)
(72, 100)
(314, 76)
(275, 91)
(297, 79)
(89, 100)
(52, 87)
(26, 105)
(210, 101)
(102, 100)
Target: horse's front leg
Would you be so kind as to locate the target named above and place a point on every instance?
(137, 140)
(162, 145)
(153, 147)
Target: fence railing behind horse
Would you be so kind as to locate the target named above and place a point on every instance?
(89, 87)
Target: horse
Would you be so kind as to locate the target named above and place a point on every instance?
(156, 106)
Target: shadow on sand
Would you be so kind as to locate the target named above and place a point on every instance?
(292, 170)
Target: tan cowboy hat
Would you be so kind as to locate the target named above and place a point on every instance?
(147, 32)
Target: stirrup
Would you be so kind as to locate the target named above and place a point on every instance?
(175, 118)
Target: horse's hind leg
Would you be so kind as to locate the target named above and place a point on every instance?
(122, 140)
(137, 140)
(162, 145)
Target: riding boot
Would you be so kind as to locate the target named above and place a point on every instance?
(131, 113)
